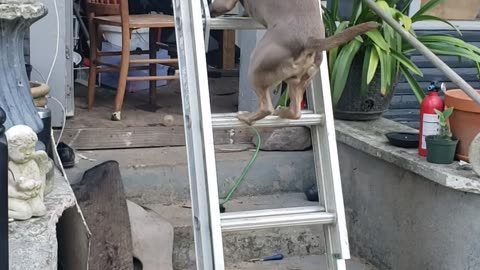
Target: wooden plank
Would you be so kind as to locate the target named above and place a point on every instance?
(404, 102)
(138, 137)
(154, 61)
(404, 114)
(434, 74)
(152, 78)
(405, 89)
(228, 49)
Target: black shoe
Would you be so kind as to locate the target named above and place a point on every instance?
(66, 154)
(312, 193)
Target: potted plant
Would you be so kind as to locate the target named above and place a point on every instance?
(441, 147)
(377, 59)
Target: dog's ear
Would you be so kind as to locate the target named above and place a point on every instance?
(343, 37)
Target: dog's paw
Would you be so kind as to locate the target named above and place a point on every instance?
(287, 113)
(277, 109)
(245, 117)
(282, 112)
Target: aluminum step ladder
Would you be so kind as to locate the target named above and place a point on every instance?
(193, 24)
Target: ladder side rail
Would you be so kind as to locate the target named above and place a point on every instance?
(198, 135)
(328, 172)
(206, 18)
(327, 167)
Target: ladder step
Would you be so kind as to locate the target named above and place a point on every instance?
(229, 120)
(233, 23)
(275, 218)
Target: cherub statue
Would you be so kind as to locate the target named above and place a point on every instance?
(27, 172)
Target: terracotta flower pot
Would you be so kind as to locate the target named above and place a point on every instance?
(465, 120)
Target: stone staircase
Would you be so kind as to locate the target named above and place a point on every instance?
(157, 180)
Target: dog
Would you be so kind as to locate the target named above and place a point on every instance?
(290, 51)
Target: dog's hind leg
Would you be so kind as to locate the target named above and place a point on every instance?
(270, 63)
(296, 91)
(265, 108)
(220, 7)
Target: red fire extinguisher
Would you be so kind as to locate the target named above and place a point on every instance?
(429, 124)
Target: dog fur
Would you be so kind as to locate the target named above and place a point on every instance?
(290, 51)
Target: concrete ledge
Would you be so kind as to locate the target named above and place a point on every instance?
(403, 212)
(33, 243)
(369, 137)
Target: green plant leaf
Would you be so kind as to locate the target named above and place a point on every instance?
(383, 5)
(333, 53)
(372, 64)
(365, 70)
(440, 115)
(341, 69)
(447, 113)
(356, 11)
(407, 22)
(384, 70)
(434, 18)
(427, 7)
(378, 39)
(406, 62)
(406, 6)
(447, 39)
(416, 89)
(329, 21)
(452, 50)
(283, 100)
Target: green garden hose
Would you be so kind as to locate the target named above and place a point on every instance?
(245, 171)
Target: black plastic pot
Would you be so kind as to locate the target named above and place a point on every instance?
(440, 151)
(357, 107)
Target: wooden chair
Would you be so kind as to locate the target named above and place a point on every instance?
(115, 13)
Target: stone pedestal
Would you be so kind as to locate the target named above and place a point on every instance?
(3, 195)
(16, 16)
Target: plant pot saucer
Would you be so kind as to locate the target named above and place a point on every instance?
(403, 139)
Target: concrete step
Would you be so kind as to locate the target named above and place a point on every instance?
(314, 262)
(243, 246)
(159, 175)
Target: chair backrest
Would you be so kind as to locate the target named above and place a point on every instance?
(107, 7)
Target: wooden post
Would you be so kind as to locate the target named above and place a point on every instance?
(3, 194)
(228, 49)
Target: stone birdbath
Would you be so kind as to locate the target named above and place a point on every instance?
(474, 154)
(16, 17)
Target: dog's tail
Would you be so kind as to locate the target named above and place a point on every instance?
(343, 37)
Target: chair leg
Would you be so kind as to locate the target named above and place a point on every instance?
(92, 77)
(122, 81)
(153, 67)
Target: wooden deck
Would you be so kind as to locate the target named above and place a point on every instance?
(89, 130)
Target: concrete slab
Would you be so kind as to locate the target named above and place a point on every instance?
(242, 246)
(152, 238)
(300, 263)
